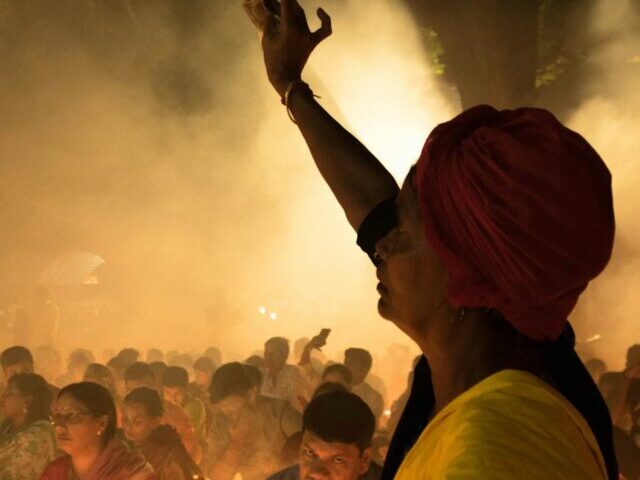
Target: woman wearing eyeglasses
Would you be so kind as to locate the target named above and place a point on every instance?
(85, 425)
(27, 443)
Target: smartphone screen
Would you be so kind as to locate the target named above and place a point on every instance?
(324, 333)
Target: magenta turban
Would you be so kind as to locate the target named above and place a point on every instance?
(519, 209)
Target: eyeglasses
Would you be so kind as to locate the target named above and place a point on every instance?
(9, 394)
(71, 418)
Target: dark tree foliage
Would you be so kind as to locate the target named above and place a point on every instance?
(510, 53)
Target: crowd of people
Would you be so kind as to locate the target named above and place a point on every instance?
(176, 417)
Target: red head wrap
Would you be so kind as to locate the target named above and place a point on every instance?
(519, 208)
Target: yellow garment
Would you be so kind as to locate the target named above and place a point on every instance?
(512, 425)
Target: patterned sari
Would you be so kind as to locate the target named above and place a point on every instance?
(25, 453)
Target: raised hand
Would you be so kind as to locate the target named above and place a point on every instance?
(287, 41)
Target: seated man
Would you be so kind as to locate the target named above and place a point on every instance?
(203, 369)
(336, 444)
(175, 384)
(237, 441)
(140, 375)
(280, 379)
(359, 362)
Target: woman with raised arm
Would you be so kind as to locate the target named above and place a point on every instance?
(481, 256)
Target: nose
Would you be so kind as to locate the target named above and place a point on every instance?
(60, 428)
(381, 251)
(318, 472)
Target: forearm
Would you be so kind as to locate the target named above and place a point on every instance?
(356, 177)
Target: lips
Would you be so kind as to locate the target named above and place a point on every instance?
(381, 288)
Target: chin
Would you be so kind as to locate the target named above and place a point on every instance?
(385, 310)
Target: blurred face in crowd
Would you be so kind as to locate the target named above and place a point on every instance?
(275, 357)
(12, 403)
(231, 406)
(358, 371)
(144, 382)
(137, 424)
(202, 379)
(20, 367)
(331, 460)
(77, 430)
(336, 377)
(412, 278)
(76, 371)
(175, 395)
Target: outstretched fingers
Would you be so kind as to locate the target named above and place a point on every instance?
(325, 29)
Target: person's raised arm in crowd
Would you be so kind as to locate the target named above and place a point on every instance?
(312, 377)
(357, 179)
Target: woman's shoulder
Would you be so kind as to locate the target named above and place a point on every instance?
(512, 400)
(511, 421)
(58, 469)
(516, 394)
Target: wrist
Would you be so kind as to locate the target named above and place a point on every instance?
(296, 90)
(281, 85)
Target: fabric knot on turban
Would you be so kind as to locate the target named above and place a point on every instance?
(520, 210)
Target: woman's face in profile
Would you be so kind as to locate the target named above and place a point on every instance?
(411, 277)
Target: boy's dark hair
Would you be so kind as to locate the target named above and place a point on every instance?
(175, 377)
(148, 398)
(13, 355)
(340, 417)
(230, 379)
(341, 370)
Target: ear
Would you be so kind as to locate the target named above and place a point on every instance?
(365, 460)
(28, 400)
(103, 421)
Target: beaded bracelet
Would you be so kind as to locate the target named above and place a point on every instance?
(293, 87)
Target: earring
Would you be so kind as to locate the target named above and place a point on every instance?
(99, 432)
(25, 410)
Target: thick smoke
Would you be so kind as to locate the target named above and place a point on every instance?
(146, 133)
(150, 137)
(610, 120)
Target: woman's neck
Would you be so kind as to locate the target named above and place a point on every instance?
(83, 461)
(463, 352)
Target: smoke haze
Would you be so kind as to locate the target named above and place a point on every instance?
(150, 138)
